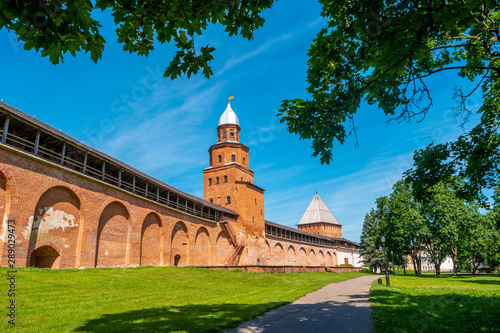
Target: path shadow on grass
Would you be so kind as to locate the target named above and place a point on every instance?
(395, 311)
(189, 318)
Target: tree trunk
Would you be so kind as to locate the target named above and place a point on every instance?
(438, 266)
(414, 259)
(474, 267)
(455, 259)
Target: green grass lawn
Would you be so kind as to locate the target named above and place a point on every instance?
(437, 304)
(150, 299)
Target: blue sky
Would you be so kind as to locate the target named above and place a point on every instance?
(125, 108)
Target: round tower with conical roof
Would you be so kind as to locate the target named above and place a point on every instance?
(319, 219)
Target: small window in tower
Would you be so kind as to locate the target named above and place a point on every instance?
(212, 200)
(253, 220)
(220, 158)
(225, 179)
(255, 201)
(209, 181)
(216, 180)
(223, 134)
(244, 162)
(233, 158)
(261, 212)
(231, 133)
(228, 200)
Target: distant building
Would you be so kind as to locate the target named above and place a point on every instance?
(71, 206)
(427, 265)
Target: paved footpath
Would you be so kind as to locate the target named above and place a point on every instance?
(338, 307)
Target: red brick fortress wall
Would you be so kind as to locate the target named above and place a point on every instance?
(282, 252)
(286, 269)
(65, 220)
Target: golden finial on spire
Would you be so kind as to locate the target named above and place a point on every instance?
(229, 99)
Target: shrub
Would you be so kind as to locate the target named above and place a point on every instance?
(402, 272)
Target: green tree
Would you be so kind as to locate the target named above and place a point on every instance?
(58, 27)
(402, 224)
(482, 247)
(450, 220)
(493, 229)
(495, 208)
(384, 53)
(370, 254)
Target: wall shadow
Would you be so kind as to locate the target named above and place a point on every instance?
(188, 318)
(352, 314)
(393, 311)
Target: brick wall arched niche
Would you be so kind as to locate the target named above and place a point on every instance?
(278, 256)
(112, 232)
(321, 259)
(291, 257)
(151, 241)
(223, 247)
(53, 229)
(302, 260)
(329, 260)
(179, 250)
(201, 253)
(267, 254)
(311, 258)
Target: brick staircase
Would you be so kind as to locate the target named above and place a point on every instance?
(235, 255)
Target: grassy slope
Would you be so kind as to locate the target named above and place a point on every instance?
(151, 298)
(437, 304)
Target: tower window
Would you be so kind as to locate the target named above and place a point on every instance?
(225, 179)
(212, 200)
(228, 200)
(244, 162)
(223, 134)
(233, 158)
(216, 180)
(253, 220)
(220, 158)
(255, 201)
(209, 181)
(231, 133)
